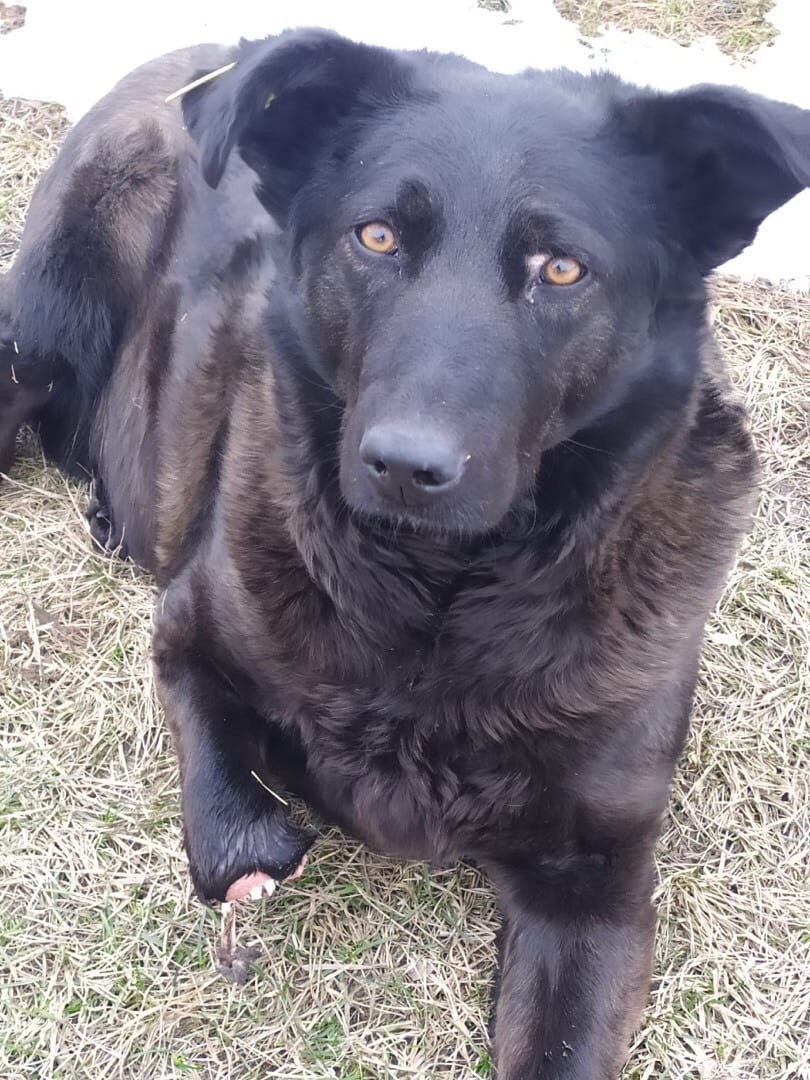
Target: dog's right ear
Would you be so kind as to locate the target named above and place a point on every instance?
(280, 103)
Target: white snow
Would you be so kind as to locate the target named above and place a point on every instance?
(72, 51)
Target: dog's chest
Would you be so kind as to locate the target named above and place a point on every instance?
(430, 700)
(425, 771)
(447, 738)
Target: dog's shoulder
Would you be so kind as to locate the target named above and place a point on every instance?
(674, 545)
(717, 467)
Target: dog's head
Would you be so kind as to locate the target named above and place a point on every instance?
(487, 265)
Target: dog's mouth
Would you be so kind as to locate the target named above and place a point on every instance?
(418, 521)
(461, 509)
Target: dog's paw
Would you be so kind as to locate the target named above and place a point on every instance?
(246, 862)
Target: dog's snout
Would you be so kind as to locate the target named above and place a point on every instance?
(411, 466)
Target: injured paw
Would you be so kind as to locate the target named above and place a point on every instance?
(251, 887)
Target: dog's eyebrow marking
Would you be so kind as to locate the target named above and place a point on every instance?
(203, 79)
(420, 219)
(414, 201)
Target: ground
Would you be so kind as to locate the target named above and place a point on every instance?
(738, 26)
(372, 969)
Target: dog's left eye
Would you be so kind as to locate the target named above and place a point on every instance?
(562, 270)
(378, 237)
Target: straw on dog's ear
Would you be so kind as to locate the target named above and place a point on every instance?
(730, 159)
(281, 100)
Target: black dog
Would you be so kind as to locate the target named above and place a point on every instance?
(429, 447)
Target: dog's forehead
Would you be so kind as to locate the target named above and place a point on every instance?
(488, 142)
(496, 117)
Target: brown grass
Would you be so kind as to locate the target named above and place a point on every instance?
(374, 969)
(738, 26)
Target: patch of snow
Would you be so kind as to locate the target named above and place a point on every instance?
(72, 51)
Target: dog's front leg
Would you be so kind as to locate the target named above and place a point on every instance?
(575, 959)
(237, 833)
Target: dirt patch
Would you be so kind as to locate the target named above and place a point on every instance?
(738, 26)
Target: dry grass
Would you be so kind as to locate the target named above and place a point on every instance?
(376, 970)
(739, 26)
(30, 132)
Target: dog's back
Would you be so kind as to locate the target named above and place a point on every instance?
(105, 248)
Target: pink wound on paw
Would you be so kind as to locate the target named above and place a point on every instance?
(253, 885)
(257, 885)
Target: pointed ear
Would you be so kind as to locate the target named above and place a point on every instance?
(280, 103)
(729, 159)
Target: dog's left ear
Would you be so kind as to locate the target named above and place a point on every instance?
(730, 158)
(281, 102)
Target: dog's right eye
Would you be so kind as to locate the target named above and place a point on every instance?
(378, 237)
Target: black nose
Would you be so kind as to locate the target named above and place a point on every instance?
(412, 466)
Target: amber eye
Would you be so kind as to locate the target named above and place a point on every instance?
(562, 270)
(378, 237)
